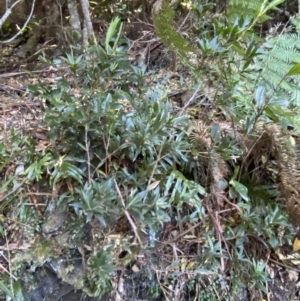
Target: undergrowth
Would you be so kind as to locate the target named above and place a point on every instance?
(199, 198)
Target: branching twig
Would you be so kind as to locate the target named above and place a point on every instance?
(87, 22)
(187, 231)
(190, 100)
(285, 265)
(185, 19)
(9, 262)
(87, 149)
(155, 165)
(24, 26)
(47, 69)
(7, 13)
(107, 156)
(165, 292)
(230, 203)
(13, 191)
(8, 272)
(219, 231)
(134, 228)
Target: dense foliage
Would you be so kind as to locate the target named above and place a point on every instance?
(120, 149)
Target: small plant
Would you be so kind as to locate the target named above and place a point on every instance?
(100, 272)
(258, 276)
(116, 143)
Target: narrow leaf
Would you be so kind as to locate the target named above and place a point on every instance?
(215, 132)
(18, 291)
(111, 31)
(273, 4)
(295, 70)
(118, 37)
(6, 290)
(260, 96)
(153, 185)
(240, 189)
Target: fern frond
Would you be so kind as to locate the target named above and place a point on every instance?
(163, 20)
(296, 22)
(245, 8)
(279, 54)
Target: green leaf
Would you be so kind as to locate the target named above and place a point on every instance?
(269, 112)
(261, 287)
(136, 198)
(273, 241)
(17, 287)
(4, 185)
(7, 290)
(250, 120)
(240, 189)
(118, 37)
(236, 172)
(110, 32)
(33, 88)
(260, 96)
(273, 4)
(295, 70)
(81, 146)
(215, 132)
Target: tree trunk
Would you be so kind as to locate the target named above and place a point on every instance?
(87, 23)
(74, 20)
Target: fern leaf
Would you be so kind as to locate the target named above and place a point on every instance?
(245, 8)
(279, 54)
(163, 26)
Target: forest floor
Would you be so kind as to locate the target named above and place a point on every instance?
(31, 236)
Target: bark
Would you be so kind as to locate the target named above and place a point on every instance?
(85, 36)
(74, 20)
(87, 21)
(51, 10)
